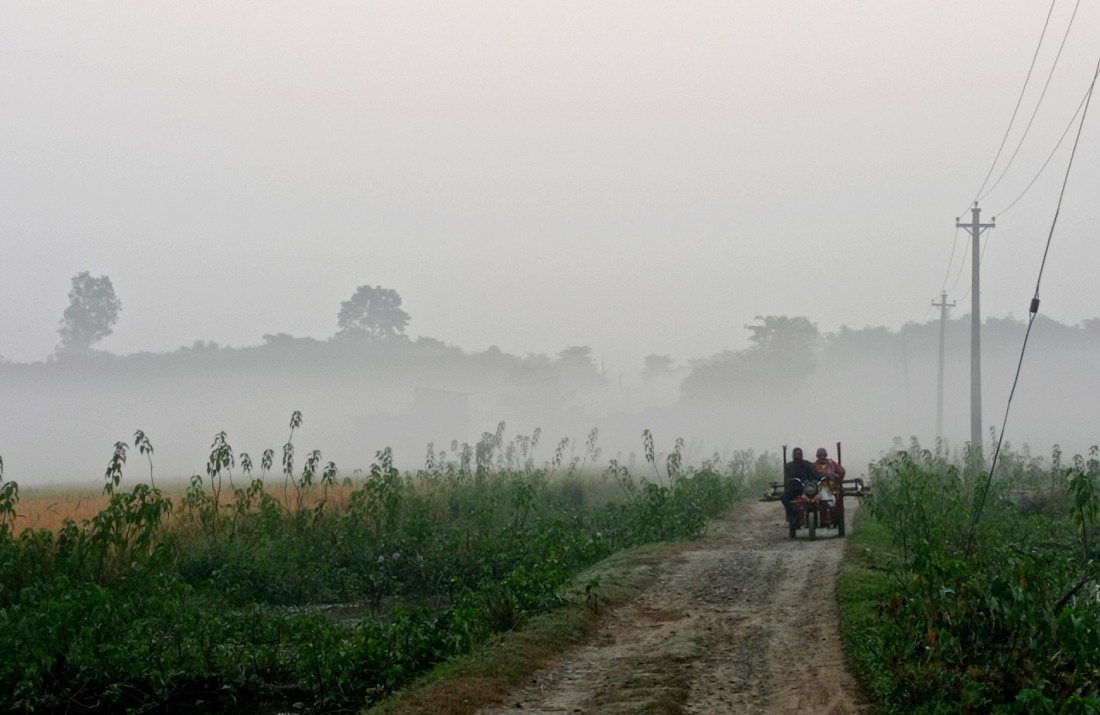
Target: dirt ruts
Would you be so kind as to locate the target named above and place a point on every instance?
(743, 620)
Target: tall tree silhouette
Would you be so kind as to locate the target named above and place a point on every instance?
(374, 313)
(92, 313)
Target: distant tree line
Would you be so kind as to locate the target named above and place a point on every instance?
(786, 354)
(782, 358)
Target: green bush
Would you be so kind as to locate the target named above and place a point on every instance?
(217, 601)
(994, 605)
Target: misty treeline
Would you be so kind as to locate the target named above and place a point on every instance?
(791, 384)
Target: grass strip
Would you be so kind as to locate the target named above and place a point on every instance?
(468, 683)
(864, 586)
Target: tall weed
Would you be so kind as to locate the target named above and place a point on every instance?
(230, 595)
(1006, 620)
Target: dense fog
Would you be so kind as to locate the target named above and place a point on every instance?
(793, 385)
(608, 193)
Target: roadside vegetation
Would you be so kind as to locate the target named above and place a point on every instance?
(965, 594)
(258, 589)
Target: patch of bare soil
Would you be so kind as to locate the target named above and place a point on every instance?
(743, 620)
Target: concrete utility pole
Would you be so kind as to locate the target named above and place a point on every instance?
(943, 305)
(904, 340)
(975, 228)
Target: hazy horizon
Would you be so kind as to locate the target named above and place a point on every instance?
(639, 178)
(864, 388)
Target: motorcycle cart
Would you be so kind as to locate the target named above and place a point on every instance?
(821, 504)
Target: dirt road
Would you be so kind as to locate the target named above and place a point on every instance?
(741, 621)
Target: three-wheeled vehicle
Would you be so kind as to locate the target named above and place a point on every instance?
(821, 504)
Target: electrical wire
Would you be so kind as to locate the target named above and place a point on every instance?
(951, 260)
(1069, 126)
(1004, 139)
(962, 265)
(1033, 311)
(1023, 89)
(1038, 104)
(1062, 193)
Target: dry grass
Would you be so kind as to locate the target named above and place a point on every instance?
(49, 508)
(468, 684)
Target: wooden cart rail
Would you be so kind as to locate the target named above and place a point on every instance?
(852, 488)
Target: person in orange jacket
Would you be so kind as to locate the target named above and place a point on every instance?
(828, 467)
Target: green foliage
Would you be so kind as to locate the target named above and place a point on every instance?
(9, 497)
(863, 586)
(113, 475)
(223, 601)
(145, 446)
(996, 613)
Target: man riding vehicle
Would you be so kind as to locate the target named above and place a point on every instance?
(795, 472)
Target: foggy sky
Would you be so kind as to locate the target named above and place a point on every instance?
(637, 177)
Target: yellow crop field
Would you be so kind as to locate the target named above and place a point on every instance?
(49, 507)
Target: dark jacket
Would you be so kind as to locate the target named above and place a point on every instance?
(800, 470)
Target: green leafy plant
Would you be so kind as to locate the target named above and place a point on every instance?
(145, 447)
(989, 614)
(230, 604)
(113, 474)
(648, 447)
(221, 459)
(9, 498)
(288, 456)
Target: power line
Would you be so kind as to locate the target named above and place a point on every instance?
(951, 260)
(962, 265)
(1038, 104)
(1033, 310)
(927, 312)
(1004, 140)
(1020, 99)
(1069, 126)
(1062, 193)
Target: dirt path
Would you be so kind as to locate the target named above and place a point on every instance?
(741, 621)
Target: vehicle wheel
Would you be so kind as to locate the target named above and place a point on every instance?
(811, 522)
(840, 526)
